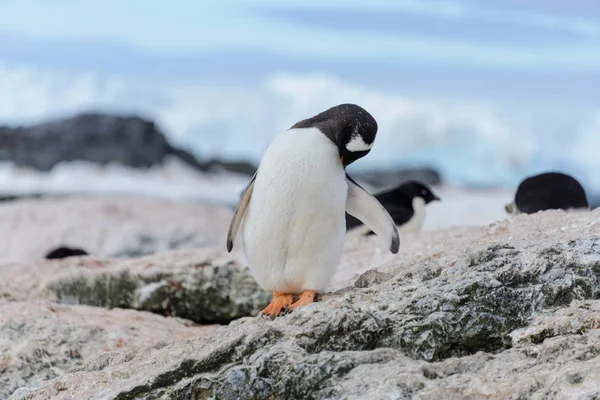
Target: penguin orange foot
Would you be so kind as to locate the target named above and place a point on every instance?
(279, 302)
(305, 298)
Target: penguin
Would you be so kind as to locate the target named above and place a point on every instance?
(292, 212)
(548, 191)
(406, 205)
(64, 252)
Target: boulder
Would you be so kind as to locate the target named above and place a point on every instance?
(95, 137)
(205, 285)
(102, 138)
(40, 340)
(509, 310)
(384, 179)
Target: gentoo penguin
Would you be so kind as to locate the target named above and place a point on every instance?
(548, 191)
(64, 252)
(405, 204)
(293, 208)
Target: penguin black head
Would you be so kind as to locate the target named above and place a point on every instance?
(349, 126)
(414, 189)
(64, 252)
(548, 191)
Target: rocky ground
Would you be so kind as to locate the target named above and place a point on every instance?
(107, 226)
(505, 311)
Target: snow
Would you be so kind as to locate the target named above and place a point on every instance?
(173, 181)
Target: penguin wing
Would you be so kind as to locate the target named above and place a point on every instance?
(238, 214)
(400, 214)
(365, 207)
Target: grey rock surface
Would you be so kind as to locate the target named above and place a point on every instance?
(40, 340)
(108, 226)
(201, 285)
(508, 311)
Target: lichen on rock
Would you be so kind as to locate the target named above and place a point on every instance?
(201, 291)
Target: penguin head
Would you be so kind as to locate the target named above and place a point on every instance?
(350, 127)
(417, 189)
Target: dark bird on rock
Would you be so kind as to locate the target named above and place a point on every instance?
(548, 191)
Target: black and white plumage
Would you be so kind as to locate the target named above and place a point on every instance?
(292, 213)
(548, 191)
(405, 204)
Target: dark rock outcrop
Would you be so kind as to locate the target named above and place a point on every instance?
(100, 138)
(94, 137)
(385, 179)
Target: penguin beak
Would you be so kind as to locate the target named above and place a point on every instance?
(342, 160)
(436, 198)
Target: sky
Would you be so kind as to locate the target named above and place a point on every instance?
(482, 89)
(534, 50)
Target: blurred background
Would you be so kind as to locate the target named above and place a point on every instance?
(179, 100)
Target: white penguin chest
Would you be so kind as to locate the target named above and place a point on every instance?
(416, 222)
(295, 220)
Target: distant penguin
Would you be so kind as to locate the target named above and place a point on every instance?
(405, 204)
(293, 209)
(548, 191)
(64, 252)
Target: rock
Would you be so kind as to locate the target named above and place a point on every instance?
(40, 340)
(100, 138)
(238, 167)
(94, 137)
(385, 179)
(64, 252)
(197, 285)
(107, 226)
(503, 311)
(370, 278)
(14, 197)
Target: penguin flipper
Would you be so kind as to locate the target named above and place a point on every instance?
(364, 206)
(238, 214)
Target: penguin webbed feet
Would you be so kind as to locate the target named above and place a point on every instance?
(307, 297)
(278, 303)
(283, 302)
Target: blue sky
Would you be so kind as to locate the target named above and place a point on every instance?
(540, 50)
